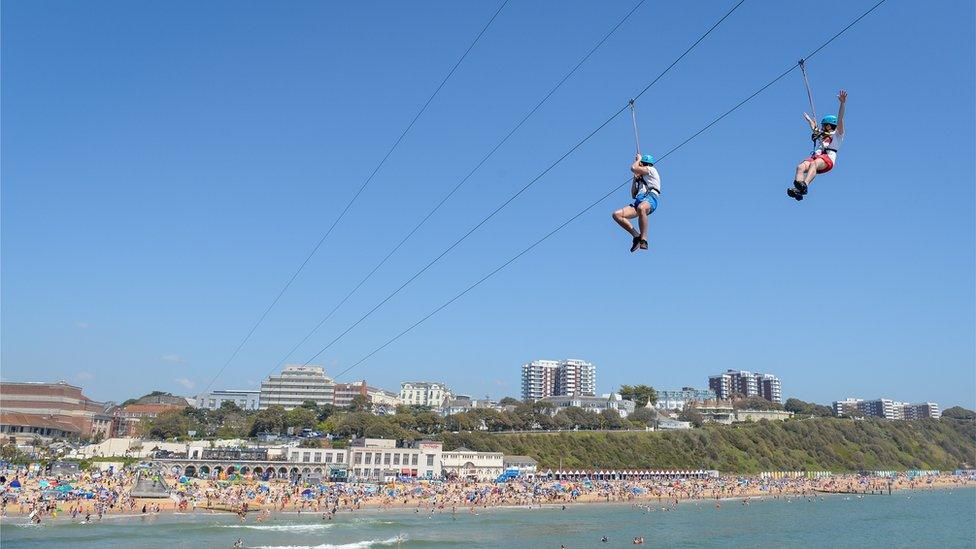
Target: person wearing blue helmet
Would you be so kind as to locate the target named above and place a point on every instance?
(828, 139)
(645, 190)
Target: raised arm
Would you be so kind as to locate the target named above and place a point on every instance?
(637, 168)
(842, 97)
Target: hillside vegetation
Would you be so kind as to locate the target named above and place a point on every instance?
(810, 444)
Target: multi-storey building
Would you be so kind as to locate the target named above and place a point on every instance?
(677, 399)
(923, 410)
(58, 405)
(424, 393)
(545, 378)
(464, 463)
(381, 459)
(381, 400)
(576, 378)
(746, 384)
(345, 392)
(887, 409)
(244, 399)
(539, 379)
(295, 385)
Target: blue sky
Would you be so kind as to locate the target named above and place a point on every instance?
(166, 167)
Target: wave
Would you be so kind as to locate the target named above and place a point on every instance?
(281, 527)
(365, 544)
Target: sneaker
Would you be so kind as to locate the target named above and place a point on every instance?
(637, 241)
(643, 244)
(801, 187)
(795, 194)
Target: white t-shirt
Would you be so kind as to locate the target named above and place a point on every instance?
(649, 182)
(832, 142)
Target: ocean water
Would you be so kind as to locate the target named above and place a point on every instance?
(906, 519)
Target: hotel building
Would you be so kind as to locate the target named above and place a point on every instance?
(295, 385)
(424, 393)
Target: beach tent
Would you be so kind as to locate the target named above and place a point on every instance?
(43, 484)
(64, 488)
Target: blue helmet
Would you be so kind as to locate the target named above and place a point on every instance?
(829, 119)
(647, 159)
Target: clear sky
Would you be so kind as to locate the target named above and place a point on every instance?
(167, 166)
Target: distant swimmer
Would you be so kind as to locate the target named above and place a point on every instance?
(239, 542)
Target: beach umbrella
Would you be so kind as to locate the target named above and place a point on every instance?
(43, 484)
(63, 488)
(184, 480)
(15, 484)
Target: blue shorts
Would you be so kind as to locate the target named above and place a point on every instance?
(650, 198)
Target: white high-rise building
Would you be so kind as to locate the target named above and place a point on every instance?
(545, 378)
(295, 385)
(539, 379)
(424, 393)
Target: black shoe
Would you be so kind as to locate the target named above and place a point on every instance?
(800, 186)
(643, 244)
(795, 194)
(636, 244)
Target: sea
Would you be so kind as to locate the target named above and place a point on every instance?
(936, 518)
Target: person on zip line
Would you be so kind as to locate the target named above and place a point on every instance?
(644, 189)
(827, 140)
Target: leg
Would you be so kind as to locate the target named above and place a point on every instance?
(623, 217)
(801, 169)
(812, 169)
(643, 209)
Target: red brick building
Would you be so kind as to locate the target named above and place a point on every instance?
(56, 406)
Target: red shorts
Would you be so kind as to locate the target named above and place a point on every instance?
(829, 164)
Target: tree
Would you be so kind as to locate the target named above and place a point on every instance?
(168, 424)
(300, 418)
(610, 419)
(958, 412)
(428, 422)
(269, 420)
(509, 401)
(639, 394)
(646, 416)
(360, 403)
(690, 414)
(800, 407)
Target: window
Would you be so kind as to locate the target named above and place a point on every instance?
(318, 457)
(396, 459)
(357, 458)
(339, 458)
(369, 458)
(430, 460)
(328, 457)
(413, 459)
(386, 459)
(376, 473)
(306, 456)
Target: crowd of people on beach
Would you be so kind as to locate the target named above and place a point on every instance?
(92, 496)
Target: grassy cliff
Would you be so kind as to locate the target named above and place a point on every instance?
(810, 444)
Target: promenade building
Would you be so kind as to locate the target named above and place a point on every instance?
(244, 399)
(295, 385)
(466, 464)
(676, 399)
(733, 383)
(381, 460)
(546, 378)
(424, 393)
(55, 406)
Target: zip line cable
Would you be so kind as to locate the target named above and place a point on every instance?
(602, 198)
(355, 196)
(446, 197)
(510, 199)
